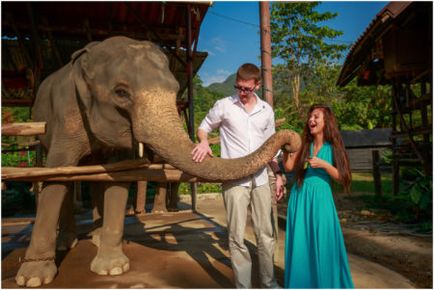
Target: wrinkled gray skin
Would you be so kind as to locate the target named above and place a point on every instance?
(111, 93)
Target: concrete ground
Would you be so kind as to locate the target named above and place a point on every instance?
(172, 250)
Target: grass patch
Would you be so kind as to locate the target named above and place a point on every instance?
(364, 183)
(185, 188)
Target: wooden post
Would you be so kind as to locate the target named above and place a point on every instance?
(141, 196)
(160, 198)
(190, 94)
(267, 87)
(24, 129)
(376, 172)
(78, 200)
(193, 187)
(395, 162)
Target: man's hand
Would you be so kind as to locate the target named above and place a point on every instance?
(200, 151)
(279, 187)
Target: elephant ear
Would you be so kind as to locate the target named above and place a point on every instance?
(80, 68)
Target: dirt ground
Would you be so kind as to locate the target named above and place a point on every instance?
(399, 247)
(189, 250)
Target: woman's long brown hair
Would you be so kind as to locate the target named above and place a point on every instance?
(331, 135)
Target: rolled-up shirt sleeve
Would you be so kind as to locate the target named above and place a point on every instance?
(213, 119)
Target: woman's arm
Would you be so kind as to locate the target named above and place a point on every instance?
(316, 162)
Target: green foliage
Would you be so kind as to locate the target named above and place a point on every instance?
(18, 159)
(184, 188)
(412, 205)
(301, 40)
(417, 187)
(364, 107)
(355, 107)
(298, 36)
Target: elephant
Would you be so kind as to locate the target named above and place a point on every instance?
(110, 95)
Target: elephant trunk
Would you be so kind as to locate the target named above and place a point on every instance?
(167, 138)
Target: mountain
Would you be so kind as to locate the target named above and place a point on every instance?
(225, 88)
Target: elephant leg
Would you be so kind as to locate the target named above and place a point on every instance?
(110, 259)
(67, 237)
(39, 263)
(97, 196)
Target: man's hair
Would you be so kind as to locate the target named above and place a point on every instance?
(249, 71)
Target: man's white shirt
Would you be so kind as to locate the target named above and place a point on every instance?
(241, 133)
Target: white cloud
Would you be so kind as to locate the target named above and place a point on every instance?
(220, 76)
(218, 44)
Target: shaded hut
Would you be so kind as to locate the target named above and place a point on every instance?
(396, 50)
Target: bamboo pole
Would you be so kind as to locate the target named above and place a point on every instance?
(145, 174)
(24, 129)
(9, 173)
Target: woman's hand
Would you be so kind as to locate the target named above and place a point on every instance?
(316, 162)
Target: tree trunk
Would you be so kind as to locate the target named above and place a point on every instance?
(295, 85)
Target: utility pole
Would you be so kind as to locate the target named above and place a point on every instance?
(267, 81)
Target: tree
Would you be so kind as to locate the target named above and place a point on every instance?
(300, 40)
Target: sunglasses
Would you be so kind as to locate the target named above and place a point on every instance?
(244, 89)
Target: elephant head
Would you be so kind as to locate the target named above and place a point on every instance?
(128, 92)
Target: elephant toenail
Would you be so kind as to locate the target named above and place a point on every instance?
(20, 280)
(116, 271)
(126, 267)
(34, 282)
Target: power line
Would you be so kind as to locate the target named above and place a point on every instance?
(234, 19)
(257, 26)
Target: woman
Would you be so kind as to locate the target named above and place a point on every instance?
(315, 250)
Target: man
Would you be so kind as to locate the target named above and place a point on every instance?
(245, 123)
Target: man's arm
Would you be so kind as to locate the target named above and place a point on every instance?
(202, 148)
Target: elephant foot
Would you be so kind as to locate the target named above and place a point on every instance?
(35, 274)
(114, 262)
(96, 237)
(66, 241)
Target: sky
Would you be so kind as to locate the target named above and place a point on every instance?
(230, 32)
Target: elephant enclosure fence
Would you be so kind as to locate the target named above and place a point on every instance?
(140, 170)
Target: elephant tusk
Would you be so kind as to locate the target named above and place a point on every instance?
(141, 149)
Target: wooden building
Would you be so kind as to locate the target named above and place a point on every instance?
(396, 50)
(361, 144)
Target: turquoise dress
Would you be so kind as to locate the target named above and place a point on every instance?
(315, 254)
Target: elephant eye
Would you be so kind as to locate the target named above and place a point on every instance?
(122, 93)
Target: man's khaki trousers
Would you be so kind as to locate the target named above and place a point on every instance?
(237, 201)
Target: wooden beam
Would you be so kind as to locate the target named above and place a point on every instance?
(146, 174)
(24, 129)
(16, 102)
(9, 173)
